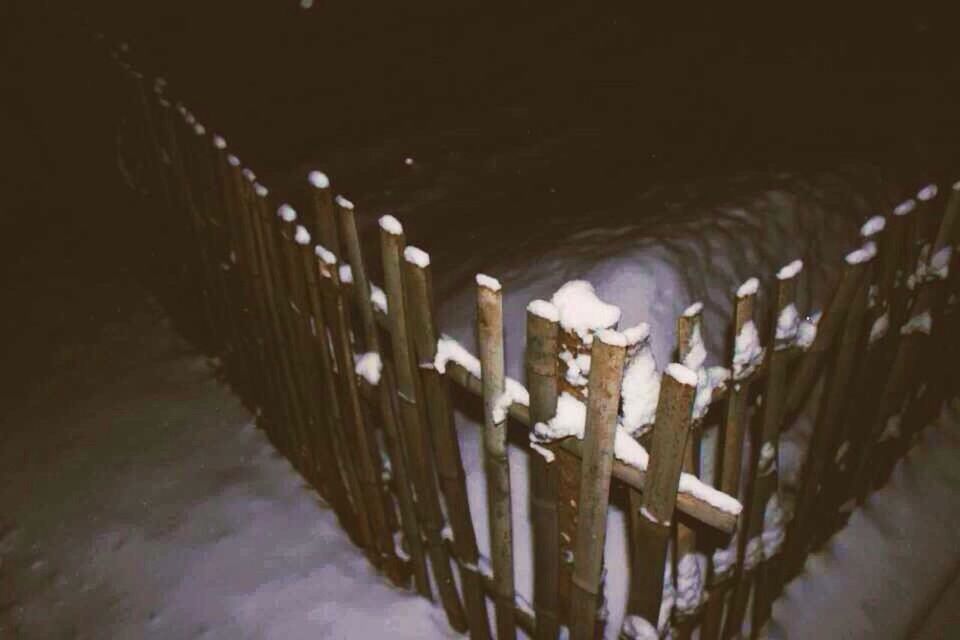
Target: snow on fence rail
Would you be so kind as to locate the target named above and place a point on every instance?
(351, 382)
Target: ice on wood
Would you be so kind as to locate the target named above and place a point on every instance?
(325, 254)
(774, 527)
(788, 323)
(749, 287)
(378, 298)
(638, 628)
(581, 311)
(416, 256)
(863, 254)
(343, 203)
(487, 282)
(807, 331)
(287, 213)
(391, 225)
(920, 323)
(302, 236)
(929, 192)
(790, 270)
(873, 226)
(905, 207)
(691, 575)
(544, 309)
(318, 179)
(369, 366)
(747, 351)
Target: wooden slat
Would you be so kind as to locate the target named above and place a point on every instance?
(652, 520)
(762, 467)
(728, 462)
(603, 401)
(446, 446)
(541, 364)
(386, 400)
(414, 421)
(496, 464)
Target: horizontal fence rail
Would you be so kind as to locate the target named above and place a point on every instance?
(353, 384)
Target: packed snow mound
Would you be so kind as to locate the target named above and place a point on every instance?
(670, 251)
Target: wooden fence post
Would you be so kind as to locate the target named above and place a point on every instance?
(606, 374)
(490, 338)
(542, 355)
(414, 420)
(367, 453)
(386, 395)
(444, 436)
(652, 521)
(762, 467)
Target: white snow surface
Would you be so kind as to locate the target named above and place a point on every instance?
(302, 236)
(877, 577)
(287, 213)
(488, 282)
(416, 256)
(544, 310)
(873, 226)
(369, 366)
(343, 202)
(151, 507)
(318, 179)
(582, 311)
(391, 225)
(790, 270)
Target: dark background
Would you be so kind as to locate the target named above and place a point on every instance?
(555, 109)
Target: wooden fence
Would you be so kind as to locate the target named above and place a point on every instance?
(352, 383)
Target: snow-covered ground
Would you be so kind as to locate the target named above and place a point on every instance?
(139, 501)
(881, 575)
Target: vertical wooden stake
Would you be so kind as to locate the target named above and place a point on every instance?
(603, 401)
(542, 356)
(387, 394)
(730, 445)
(414, 420)
(444, 436)
(762, 466)
(651, 522)
(490, 338)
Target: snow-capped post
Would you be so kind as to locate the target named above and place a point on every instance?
(366, 450)
(386, 394)
(831, 322)
(829, 430)
(651, 523)
(414, 420)
(762, 465)
(543, 330)
(496, 465)
(293, 304)
(747, 357)
(603, 400)
(446, 446)
(765, 526)
(690, 350)
(581, 314)
(320, 215)
(336, 469)
(256, 206)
